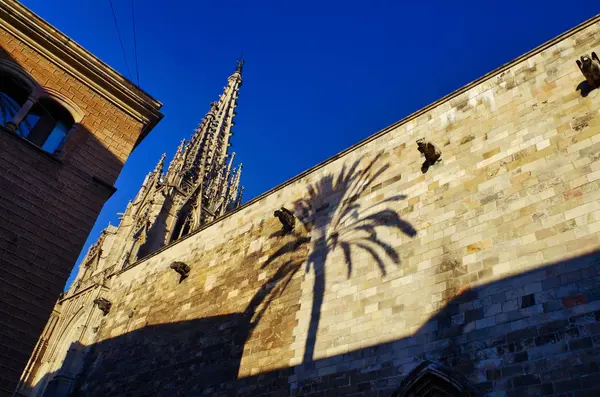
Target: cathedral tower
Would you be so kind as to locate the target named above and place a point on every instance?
(199, 185)
(205, 184)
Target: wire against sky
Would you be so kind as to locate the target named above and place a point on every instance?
(119, 36)
(137, 67)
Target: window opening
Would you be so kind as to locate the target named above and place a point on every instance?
(13, 95)
(47, 125)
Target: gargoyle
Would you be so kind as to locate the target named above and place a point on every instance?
(181, 268)
(103, 304)
(431, 153)
(590, 67)
(287, 219)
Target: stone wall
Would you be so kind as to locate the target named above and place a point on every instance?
(48, 204)
(488, 262)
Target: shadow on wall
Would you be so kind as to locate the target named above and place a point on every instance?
(56, 176)
(585, 88)
(216, 345)
(543, 343)
(331, 205)
(536, 333)
(332, 214)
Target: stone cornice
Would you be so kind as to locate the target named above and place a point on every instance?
(80, 63)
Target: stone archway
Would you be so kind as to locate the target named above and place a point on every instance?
(431, 379)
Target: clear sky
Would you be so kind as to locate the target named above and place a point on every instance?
(319, 75)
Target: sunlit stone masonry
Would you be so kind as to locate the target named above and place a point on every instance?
(454, 253)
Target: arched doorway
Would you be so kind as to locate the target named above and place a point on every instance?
(431, 379)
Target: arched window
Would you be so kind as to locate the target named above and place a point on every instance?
(40, 115)
(47, 124)
(431, 379)
(182, 225)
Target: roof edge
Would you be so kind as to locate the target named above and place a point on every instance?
(82, 64)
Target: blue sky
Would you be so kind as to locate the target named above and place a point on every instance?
(319, 75)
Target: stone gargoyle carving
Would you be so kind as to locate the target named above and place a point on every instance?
(431, 153)
(287, 219)
(181, 268)
(590, 67)
(103, 304)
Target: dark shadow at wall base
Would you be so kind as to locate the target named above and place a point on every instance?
(547, 344)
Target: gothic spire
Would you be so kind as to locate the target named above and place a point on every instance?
(201, 169)
(207, 149)
(160, 165)
(200, 184)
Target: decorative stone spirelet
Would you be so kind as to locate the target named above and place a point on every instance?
(103, 304)
(181, 268)
(287, 219)
(590, 67)
(431, 153)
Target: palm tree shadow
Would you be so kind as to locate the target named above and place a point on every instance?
(269, 291)
(335, 218)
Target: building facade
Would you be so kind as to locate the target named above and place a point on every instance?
(454, 253)
(68, 122)
(199, 185)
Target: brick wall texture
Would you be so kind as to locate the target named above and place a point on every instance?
(487, 263)
(47, 207)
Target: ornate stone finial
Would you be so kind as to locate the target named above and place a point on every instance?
(240, 65)
(238, 199)
(182, 269)
(180, 148)
(590, 67)
(103, 304)
(161, 164)
(431, 153)
(287, 219)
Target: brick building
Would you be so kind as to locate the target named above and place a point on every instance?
(68, 122)
(454, 253)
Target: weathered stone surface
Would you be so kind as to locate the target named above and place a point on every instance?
(487, 263)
